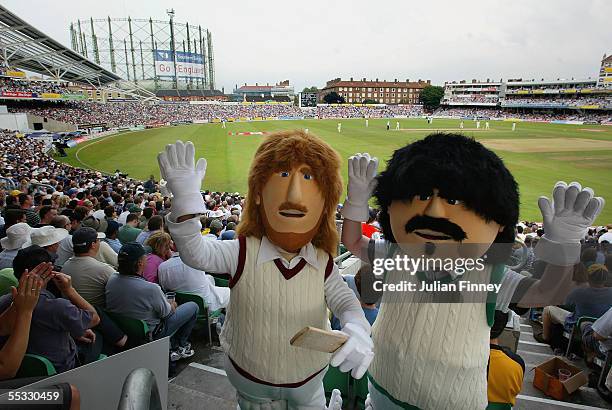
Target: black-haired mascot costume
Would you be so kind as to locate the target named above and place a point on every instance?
(442, 192)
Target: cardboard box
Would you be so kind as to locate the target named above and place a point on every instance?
(546, 378)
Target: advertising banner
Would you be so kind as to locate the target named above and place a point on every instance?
(188, 65)
(17, 94)
(14, 73)
(50, 96)
(73, 96)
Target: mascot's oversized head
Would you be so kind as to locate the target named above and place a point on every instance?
(447, 189)
(294, 188)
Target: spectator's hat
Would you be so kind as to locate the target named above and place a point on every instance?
(84, 237)
(16, 236)
(46, 236)
(134, 209)
(91, 222)
(15, 192)
(131, 251)
(228, 235)
(215, 214)
(217, 224)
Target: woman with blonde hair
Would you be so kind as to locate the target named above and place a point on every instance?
(63, 202)
(160, 244)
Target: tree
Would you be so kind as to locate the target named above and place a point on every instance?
(333, 98)
(312, 89)
(369, 101)
(431, 97)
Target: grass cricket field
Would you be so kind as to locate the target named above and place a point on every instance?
(537, 154)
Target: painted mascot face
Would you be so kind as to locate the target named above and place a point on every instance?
(447, 196)
(294, 188)
(430, 219)
(291, 204)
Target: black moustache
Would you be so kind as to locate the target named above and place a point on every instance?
(441, 225)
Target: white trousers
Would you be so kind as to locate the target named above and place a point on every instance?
(252, 395)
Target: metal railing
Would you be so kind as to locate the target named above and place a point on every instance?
(140, 391)
(341, 258)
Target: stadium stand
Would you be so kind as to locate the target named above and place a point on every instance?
(31, 181)
(118, 114)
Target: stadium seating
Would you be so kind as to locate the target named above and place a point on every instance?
(35, 366)
(205, 317)
(136, 330)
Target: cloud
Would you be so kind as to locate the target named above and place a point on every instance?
(312, 42)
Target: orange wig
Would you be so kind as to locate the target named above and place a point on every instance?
(285, 150)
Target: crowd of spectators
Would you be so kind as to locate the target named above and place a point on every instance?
(475, 98)
(121, 114)
(364, 111)
(8, 84)
(64, 225)
(572, 101)
(587, 310)
(501, 113)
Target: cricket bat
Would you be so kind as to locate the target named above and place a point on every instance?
(320, 340)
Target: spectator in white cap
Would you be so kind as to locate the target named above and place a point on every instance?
(16, 236)
(47, 237)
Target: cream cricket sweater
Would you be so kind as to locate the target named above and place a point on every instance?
(432, 355)
(269, 304)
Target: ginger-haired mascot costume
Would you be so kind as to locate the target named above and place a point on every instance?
(283, 277)
(449, 195)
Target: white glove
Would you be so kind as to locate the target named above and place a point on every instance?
(163, 188)
(368, 403)
(571, 213)
(176, 164)
(356, 354)
(335, 401)
(361, 183)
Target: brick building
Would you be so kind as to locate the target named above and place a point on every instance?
(383, 92)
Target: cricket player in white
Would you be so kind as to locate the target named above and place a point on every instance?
(339, 127)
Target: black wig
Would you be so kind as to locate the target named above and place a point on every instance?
(459, 168)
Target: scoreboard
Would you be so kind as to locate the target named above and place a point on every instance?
(308, 99)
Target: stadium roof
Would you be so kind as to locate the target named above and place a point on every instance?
(29, 49)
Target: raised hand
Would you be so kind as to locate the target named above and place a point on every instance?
(25, 297)
(63, 282)
(44, 271)
(361, 183)
(183, 178)
(572, 211)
